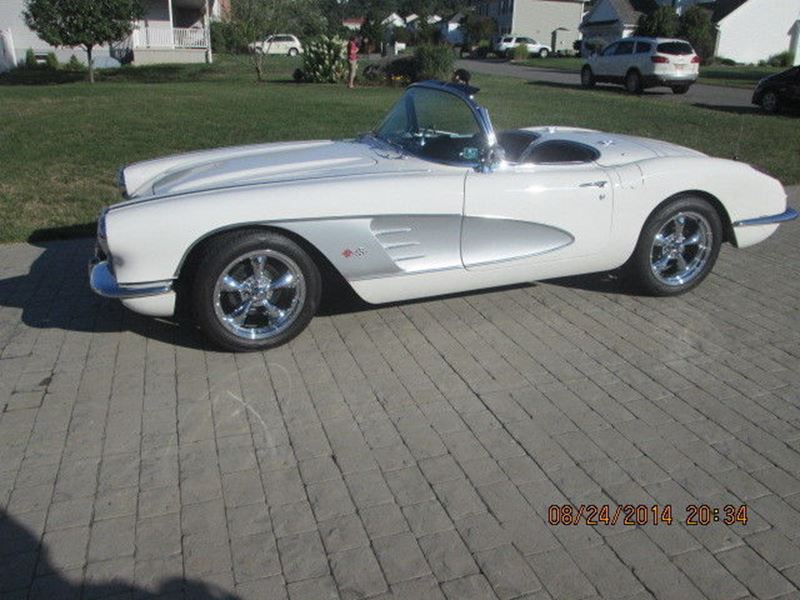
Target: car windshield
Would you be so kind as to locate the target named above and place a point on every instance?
(433, 124)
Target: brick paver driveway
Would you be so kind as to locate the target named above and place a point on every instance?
(408, 451)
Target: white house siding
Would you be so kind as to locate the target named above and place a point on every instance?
(542, 20)
(11, 19)
(757, 30)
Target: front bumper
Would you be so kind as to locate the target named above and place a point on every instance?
(789, 214)
(104, 283)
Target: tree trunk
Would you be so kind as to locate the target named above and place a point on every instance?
(91, 63)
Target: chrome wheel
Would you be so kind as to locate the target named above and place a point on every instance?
(259, 294)
(681, 249)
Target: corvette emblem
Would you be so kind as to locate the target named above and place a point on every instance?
(358, 252)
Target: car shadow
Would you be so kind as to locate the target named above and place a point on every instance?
(748, 110)
(23, 557)
(55, 294)
(600, 87)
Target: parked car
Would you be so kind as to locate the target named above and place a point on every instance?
(505, 44)
(433, 201)
(282, 43)
(780, 91)
(639, 63)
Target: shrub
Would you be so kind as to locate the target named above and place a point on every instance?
(227, 36)
(30, 59)
(51, 61)
(782, 59)
(433, 62)
(323, 60)
(74, 65)
(520, 52)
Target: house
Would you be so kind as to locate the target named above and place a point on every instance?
(353, 23)
(394, 20)
(610, 20)
(175, 31)
(752, 30)
(552, 22)
(413, 21)
(450, 29)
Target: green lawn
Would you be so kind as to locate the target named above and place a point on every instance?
(738, 76)
(61, 144)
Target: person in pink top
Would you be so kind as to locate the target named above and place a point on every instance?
(352, 59)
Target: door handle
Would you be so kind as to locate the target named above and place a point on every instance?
(600, 184)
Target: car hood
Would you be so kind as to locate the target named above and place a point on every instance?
(244, 165)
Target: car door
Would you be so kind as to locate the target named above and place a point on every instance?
(602, 61)
(536, 213)
(622, 59)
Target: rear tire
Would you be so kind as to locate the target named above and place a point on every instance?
(680, 89)
(254, 290)
(293, 52)
(587, 77)
(633, 82)
(544, 53)
(677, 247)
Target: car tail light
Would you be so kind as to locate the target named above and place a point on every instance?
(661, 60)
(696, 60)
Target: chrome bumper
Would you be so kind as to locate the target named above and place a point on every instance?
(103, 283)
(789, 214)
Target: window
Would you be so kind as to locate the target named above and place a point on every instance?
(610, 50)
(643, 47)
(675, 48)
(561, 152)
(433, 124)
(624, 48)
(508, 40)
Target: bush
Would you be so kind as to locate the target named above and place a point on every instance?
(74, 65)
(323, 60)
(51, 62)
(520, 52)
(227, 36)
(783, 59)
(30, 59)
(433, 62)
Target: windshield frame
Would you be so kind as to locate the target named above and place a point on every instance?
(466, 95)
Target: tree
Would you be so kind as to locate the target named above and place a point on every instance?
(86, 23)
(662, 22)
(255, 20)
(479, 28)
(697, 29)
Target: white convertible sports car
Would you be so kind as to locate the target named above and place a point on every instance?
(433, 201)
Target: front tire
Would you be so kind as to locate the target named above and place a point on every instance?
(677, 247)
(254, 290)
(587, 77)
(633, 82)
(770, 103)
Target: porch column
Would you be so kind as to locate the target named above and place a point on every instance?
(207, 34)
(795, 47)
(171, 25)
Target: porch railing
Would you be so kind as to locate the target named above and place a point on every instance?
(168, 37)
